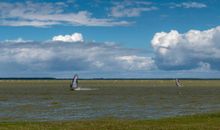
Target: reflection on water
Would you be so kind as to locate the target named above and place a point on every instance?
(48, 103)
(85, 89)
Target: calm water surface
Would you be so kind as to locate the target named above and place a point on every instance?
(58, 103)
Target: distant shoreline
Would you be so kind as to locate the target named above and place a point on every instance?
(50, 78)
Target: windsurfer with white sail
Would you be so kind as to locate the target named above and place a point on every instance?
(74, 83)
(178, 84)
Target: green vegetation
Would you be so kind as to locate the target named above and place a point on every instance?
(43, 104)
(107, 83)
(194, 122)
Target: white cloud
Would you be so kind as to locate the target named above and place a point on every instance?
(188, 5)
(51, 56)
(130, 8)
(28, 23)
(187, 50)
(47, 14)
(163, 41)
(133, 62)
(75, 37)
(18, 40)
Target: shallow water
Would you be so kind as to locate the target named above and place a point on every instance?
(47, 103)
(85, 89)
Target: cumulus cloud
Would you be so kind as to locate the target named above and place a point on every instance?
(75, 37)
(193, 49)
(47, 14)
(130, 8)
(188, 5)
(53, 56)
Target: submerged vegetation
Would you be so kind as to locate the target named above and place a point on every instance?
(193, 122)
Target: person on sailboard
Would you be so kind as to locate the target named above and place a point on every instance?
(74, 83)
(178, 84)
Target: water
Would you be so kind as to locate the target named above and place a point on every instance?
(84, 89)
(47, 103)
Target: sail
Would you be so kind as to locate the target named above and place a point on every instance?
(74, 83)
(178, 83)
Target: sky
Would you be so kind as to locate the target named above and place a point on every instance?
(110, 38)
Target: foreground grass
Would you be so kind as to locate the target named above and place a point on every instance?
(193, 122)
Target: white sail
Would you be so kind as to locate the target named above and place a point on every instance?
(178, 84)
(74, 83)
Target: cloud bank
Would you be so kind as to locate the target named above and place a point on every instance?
(191, 54)
(31, 57)
(130, 8)
(190, 50)
(47, 14)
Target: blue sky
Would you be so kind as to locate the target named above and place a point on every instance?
(128, 39)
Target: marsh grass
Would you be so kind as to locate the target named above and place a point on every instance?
(55, 104)
(25, 107)
(192, 122)
(3, 98)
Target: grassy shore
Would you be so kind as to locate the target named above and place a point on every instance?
(193, 122)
